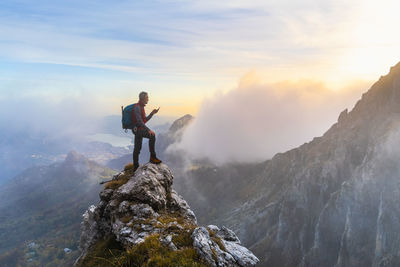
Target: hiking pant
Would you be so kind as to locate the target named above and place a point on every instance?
(139, 134)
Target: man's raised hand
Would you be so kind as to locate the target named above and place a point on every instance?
(155, 110)
(152, 133)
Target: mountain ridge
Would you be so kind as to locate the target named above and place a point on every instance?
(298, 215)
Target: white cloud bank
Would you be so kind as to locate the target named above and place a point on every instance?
(257, 120)
(72, 117)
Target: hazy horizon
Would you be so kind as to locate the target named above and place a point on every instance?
(291, 67)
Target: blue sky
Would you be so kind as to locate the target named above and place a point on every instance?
(184, 51)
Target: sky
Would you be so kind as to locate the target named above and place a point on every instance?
(98, 55)
(183, 51)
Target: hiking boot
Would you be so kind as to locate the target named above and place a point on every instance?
(155, 160)
(135, 168)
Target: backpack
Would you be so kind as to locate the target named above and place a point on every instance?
(127, 117)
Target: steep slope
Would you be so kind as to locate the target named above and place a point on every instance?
(141, 221)
(44, 205)
(333, 201)
(212, 190)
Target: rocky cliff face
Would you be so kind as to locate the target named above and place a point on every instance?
(333, 201)
(140, 211)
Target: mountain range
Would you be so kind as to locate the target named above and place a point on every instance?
(329, 202)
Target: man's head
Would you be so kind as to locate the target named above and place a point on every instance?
(144, 97)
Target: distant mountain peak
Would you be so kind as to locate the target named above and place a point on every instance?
(395, 68)
(374, 112)
(383, 96)
(73, 157)
(180, 123)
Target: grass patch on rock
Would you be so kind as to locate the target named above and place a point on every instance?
(102, 253)
(114, 184)
(150, 253)
(122, 179)
(129, 167)
(183, 238)
(217, 240)
(166, 219)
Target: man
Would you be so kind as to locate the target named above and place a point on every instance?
(140, 130)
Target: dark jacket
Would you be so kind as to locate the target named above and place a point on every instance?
(140, 116)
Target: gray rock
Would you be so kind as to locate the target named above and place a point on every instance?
(124, 207)
(143, 211)
(167, 240)
(231, 254)
(89, 230)
(106, 194)
(242, 255)
(224, 233)
(151, 184)
(178, 204)
(203, 245)
(132, 213)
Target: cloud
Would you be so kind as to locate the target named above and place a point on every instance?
(72, 117)
(257, 120)
(173, 37)
(67, 116)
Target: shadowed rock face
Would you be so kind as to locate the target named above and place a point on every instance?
(146, 205)
(333, 201)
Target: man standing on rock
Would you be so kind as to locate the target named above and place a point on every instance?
(140, 130)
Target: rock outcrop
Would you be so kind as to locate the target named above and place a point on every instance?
(142, 206)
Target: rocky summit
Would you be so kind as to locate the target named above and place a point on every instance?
(141, 221)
